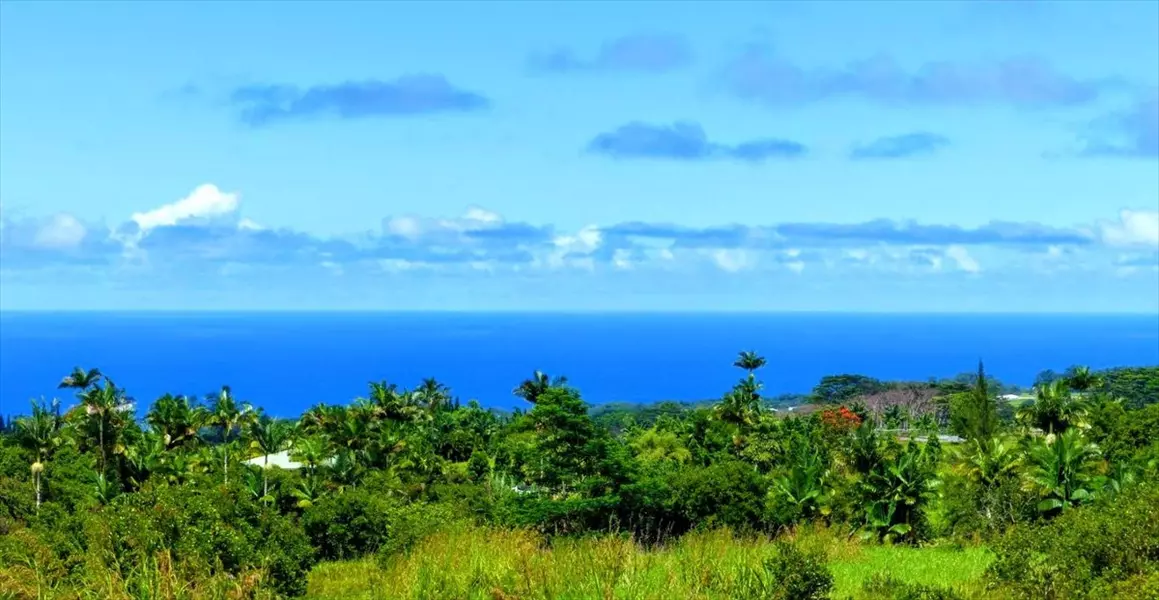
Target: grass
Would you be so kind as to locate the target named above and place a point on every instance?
(474, 563)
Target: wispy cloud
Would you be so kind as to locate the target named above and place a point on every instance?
(759, 75)
(410, 95)
(686, 141)
(900, 146)
(640, 53)
(1133, 132)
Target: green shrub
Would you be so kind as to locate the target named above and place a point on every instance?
(1084, 550)
(799, 574)
(349, 524)
(410, 523)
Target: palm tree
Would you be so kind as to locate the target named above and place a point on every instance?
(433, 395)
(310, 451)
(742, 405)
(531, 389)
(176, 419)
(39, 432)
(1082, 380)
(270, 436)
(80, 379)
(749, 361)
(987, 462)
(1063, 470)
(145, 457)
(1055, 409)
(226, 414)
(106, 404)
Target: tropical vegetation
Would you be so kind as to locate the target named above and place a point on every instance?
(862, 488)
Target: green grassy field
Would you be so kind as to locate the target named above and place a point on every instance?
(473, 563)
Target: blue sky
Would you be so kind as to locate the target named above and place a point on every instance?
(852, 156)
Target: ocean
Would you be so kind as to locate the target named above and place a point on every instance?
(286, 362)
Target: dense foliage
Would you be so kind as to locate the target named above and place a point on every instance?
(190, 501)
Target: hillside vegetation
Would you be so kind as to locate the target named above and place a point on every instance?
(861, 489)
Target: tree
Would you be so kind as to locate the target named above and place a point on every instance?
(1063, 471)
(40, 433)
(1082, 380)
(741, 406)
(80, 379)
(539, 383)
(176, 419)
(749, 361)
(1055, 409)
(974, 412)
(106, 405)
(226, 414)
(269, 436)
(838, 389)
(433, 395)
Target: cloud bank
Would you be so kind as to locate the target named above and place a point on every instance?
(205, 232)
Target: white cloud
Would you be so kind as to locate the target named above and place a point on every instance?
(796, 266)
(621, 259)
(1134, 228)
(585, 240)
(205, 202)
(481, 215)
(960, 255)
(732, 259)
(60, 232)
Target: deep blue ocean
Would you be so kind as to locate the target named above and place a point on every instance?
(286, 362)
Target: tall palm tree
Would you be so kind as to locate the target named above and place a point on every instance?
(531, 389)
(270, 436)
(749, 361)
(80, 379)
(39, 432)
(227, 414)
(107, 405)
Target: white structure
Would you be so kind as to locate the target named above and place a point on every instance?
(280, 460)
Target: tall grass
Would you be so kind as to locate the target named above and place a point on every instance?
(476, 563)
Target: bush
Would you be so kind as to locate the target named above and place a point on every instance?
(349, 524)
(883, 586)
(1085, 551)
(799, 575)
(410, 523)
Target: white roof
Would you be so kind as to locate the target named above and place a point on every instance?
(277, 459)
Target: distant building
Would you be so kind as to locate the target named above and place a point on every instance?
(280, 460)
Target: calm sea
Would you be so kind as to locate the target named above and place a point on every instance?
(286, 362)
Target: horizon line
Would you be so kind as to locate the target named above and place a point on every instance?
(568, 311)
(577, 312)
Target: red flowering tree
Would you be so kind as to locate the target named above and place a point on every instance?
(840, 420)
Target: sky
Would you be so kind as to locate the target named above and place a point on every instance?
(849, 156)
